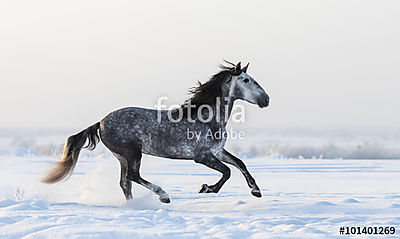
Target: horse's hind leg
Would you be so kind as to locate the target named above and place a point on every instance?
(134, 175)
(209, 160)
(124, 182)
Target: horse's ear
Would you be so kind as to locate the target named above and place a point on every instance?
(238, 68)
(245, 68)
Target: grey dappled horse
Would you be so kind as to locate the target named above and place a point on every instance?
(130, 132)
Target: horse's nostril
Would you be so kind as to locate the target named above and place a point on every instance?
(266, 102)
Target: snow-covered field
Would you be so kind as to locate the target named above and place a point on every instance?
(302, 198)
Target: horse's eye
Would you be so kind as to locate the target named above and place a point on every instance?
(246, 80)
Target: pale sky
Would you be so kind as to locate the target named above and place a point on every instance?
(324, 63)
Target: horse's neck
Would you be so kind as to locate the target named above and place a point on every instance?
(227, 101)
(222, 110)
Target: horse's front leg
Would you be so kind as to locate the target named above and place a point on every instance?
(227, 157)
(209, 160)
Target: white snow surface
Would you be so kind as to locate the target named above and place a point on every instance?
(302, 198)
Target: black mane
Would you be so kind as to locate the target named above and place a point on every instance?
(208, 92)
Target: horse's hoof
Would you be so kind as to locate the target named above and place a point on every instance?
(164, 198)
(256, 192)
(205, 189)
(128, 198)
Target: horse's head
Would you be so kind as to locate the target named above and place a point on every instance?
(244, 87)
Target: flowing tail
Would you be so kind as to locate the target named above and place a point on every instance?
(71, 151)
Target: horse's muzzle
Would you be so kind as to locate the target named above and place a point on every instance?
(263, 101)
